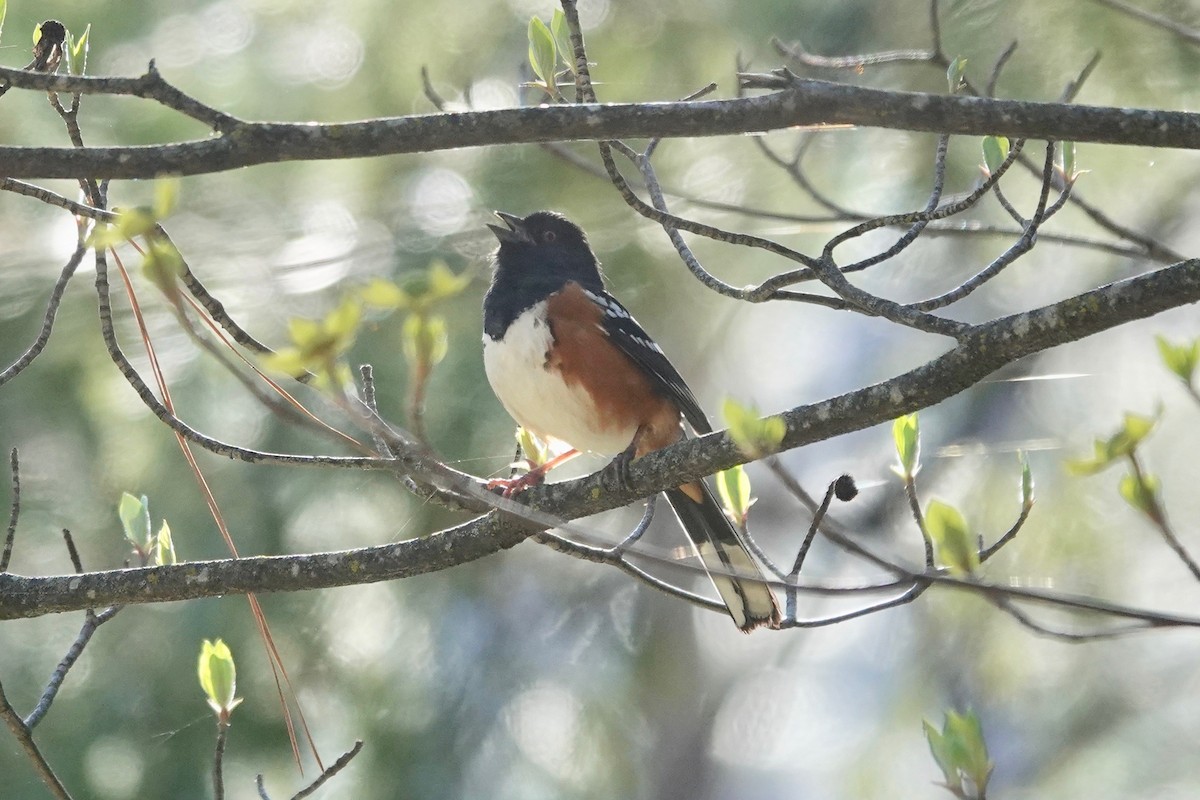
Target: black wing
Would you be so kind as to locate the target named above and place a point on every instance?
(629, 337)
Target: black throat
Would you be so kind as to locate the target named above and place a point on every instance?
(526, 275)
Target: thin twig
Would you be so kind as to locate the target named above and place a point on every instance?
(798, 564)
(751, 294)
(1008, 536)
(1019, 248)
(922, 218)
(55, 199)
(216, 310)
(52, 304)
(1190, 35)
(14, 510)
(1158, 515)
(796, 172)
(25, 737)
(799, 54)
(910, 594)
(1074, 637)
(914, 507)
(90, 624)
(996, 69)
(218, 774)
(332, 770)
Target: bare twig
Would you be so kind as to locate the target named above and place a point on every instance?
(218, 773)
(14, 510)
(796, 52)
(55, 199)
(1019, 248)
(1158, 515)
(796, 171)
(1075, 637)
(56, 294)
(1008, 536)
(333, 769)
(998, 67)
(25, 737)
(909, 595)
(802, 553)
(1190, 35)
(914, 508)
(90, 624)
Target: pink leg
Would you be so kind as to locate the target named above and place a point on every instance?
(535, 476)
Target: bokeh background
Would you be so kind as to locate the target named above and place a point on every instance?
(530, 674)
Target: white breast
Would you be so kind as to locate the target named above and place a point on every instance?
(536, 395)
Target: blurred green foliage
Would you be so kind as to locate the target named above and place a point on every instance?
(532, 674)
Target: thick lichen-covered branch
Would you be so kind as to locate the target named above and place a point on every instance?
(795, 101)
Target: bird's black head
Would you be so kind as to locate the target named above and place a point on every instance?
(547, 243)
(538, 255)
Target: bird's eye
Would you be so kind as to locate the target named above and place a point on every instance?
(548, 236)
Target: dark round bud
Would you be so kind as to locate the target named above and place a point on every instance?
(53, 31)
(844, 489)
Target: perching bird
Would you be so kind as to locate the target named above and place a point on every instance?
(569, 363)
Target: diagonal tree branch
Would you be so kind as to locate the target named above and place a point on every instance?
(977, 353)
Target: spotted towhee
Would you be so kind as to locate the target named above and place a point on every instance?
(570, 363)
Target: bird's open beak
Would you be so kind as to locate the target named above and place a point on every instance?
(515, 232)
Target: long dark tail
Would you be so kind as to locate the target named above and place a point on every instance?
(732, 569)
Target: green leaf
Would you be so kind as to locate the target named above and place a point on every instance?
(135, 518)
(562, 38)
(536, 451)
(77, 52)
(131, 223)
(37, 34)
(164, 546)
(166, 196)
(317, 345)
(1068, 160)
(966, 732)
(162, 264)
(420, 290)
(943, 755)
(542, 53)
(382, 293)
(1090, 466)
(733, 485)
(952, 538)
(1026, 480)
(995, 150)
(960, 752)
(1134, 429)
(754, 435)
(443, 283)
(1141, 494)
(906, 433)
(342, 323)
(3, 11)
(955, 73)
(287, 361)
(218, 677)
(1181, 358)
(425, 339)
